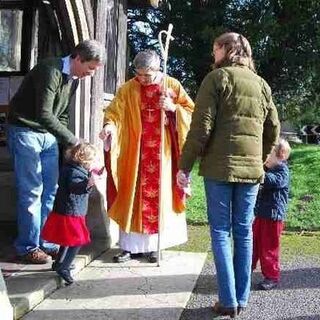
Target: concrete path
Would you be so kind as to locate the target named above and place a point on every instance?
(135, 290)
(28, 285)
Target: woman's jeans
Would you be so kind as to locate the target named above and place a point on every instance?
(35, 159)
(230, 210)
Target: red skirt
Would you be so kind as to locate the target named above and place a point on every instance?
(67, 231)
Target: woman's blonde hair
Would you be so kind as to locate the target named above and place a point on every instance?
(83, 154)
(237, 49)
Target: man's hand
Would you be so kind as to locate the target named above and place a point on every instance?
(108, 130)
(106, 134)
(166, 103)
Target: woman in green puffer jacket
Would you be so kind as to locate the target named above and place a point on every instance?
(234, 127)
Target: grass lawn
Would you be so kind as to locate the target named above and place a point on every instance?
(293, 244)
(304, 205)
(303, 213)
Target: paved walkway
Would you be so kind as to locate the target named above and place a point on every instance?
(296, 298)
(138, 290)
(135, 290)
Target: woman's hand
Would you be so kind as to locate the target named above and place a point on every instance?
(183, 179)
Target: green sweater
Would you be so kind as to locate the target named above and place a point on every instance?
(234, 126)
(42, 101)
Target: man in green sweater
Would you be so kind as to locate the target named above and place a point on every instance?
(38, 122)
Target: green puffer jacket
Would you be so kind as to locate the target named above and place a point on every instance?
(234, 126)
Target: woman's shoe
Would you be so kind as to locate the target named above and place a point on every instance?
(122, 257)
(240, 310)
(220, 310)
(66, 276)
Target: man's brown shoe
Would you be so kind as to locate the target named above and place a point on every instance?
(53, 254)
(36, 257)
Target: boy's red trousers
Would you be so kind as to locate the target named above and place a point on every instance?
(266, 247)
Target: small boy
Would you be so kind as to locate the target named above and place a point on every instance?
(270, 212)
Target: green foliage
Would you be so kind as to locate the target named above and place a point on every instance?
(304, 203)
(284, 34)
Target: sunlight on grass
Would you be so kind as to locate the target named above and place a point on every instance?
(303, 212)
(304, 205)
(292, 244)
(296, 245)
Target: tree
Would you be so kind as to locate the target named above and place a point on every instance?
(284, 35)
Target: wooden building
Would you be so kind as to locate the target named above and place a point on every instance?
(34, 29)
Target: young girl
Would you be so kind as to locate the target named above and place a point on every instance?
(66, 223)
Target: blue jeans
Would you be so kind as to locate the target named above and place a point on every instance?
(230, 210)
(35, 158)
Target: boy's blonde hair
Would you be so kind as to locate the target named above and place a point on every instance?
(282, 149)
(83, 154)
(237, 48)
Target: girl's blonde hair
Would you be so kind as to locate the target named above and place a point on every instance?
(237, 48)
(83, 154)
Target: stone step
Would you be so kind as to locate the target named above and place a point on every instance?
(135, 290)
(30, 286)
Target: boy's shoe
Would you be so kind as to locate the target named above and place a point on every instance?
(66, 276)
(36, 256)
(267, 284)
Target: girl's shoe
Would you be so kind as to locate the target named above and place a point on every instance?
(220, 310)
(65, 275)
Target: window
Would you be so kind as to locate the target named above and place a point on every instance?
(10, 39)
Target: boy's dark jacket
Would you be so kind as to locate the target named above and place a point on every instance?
(274, 193)
(73, 191)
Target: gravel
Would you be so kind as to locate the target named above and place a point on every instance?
(297, 297)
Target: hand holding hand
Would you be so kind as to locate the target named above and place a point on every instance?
(183, 179)
(98, 178)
